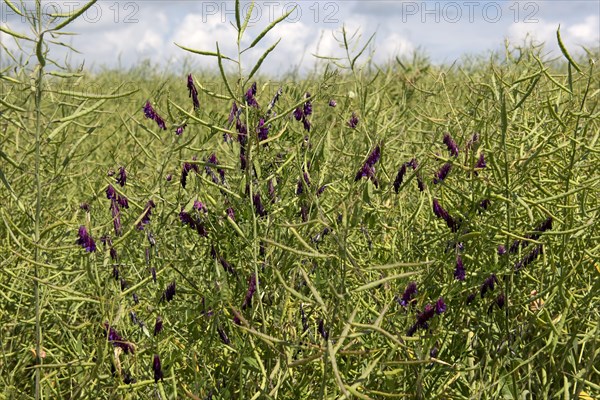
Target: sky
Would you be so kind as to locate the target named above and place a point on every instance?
(115, 34)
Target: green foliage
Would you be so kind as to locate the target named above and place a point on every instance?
(325, 319)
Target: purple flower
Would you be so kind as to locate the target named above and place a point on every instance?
(488, 284)
(122, 177)
(231, 213)
(262, 130)
(424, 316)
(180, 129)
(169, 292)
(158, 326)
(451, 144)
(250, 99)
(324, 333)
(124, 284)
(199, 206)
(529, 258)
(85, 240)
(123, 202)
(226, 266)
(470, 298)
(353, 121)
(501, 250)
(250, 292)
(440, 306)
(481, 161)
(500, 300)
(115, 272)
(368, 168)
(442, 173)
(185, 170)
(233, 113)
(85, 207)
(146, 215)
(298, 113)
(113, 254)
(193, 92)
(439, 211)
(116, 215)
(116, 339)
(321, 190)
(258, 206)
(307, 105)
(374, 156)
(459, 272)
(169, 177)
(151, 114)
(306, 124)
(399, 177)
(409, 293)
(111, 193)
(223, 335)
(485, 203)
(158, 374)
(332, 103)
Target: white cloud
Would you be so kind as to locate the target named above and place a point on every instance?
(586, 32)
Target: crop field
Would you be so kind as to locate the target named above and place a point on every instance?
(397, 231)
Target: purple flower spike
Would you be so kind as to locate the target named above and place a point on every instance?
(481, 161)
(116, 339)
(440, 306)
(158, 374)
(251, 289)
(233, 113)
(262, 130)
(231, 213)
(122, 177)
(193, 92)
(85, 240)
(353, 121)
(158, 326)
(250, 99)
(150, 113)
(258, 206)
(146, 216)
(111, 193)
(501, 250)
(180, 129)
(324, 333)
(298, 113)
(399, 177)
(426, 315)
(409, 293)
(169, 292)
(459, 272)
(442, 173)
(488, 284)
(451, 144)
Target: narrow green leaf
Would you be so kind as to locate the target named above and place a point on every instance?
(220, 58)
(204, 53)
(13, 7)
(268, 28)
(260, 61)
(74, 16)
(246, 20)
(14, 34)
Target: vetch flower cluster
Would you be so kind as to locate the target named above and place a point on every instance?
(150, 113)
(85, 240)
(368, 168)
